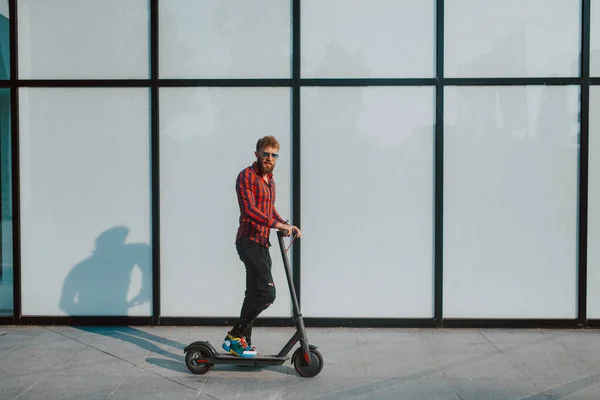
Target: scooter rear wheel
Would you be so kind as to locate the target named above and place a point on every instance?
(305, 370)
(197, 360)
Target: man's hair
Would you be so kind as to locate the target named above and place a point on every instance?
(267, 141)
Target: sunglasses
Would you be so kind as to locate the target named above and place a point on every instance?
(266, 155)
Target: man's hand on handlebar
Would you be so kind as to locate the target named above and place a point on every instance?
(289, 230)
(297, 231)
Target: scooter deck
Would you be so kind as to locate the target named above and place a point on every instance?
(259, 360)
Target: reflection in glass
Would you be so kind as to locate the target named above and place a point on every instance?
(510, 201)
(593, 291)
(92, 39)
(6, 259)
(511, 38)
(595, 39)
(357, 38)
(4, 41)
(367, 173)
(224, 39)
(85, 201)
(200, 210)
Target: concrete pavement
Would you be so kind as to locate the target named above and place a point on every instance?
(61, 362)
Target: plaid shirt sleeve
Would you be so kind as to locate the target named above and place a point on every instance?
(249, 202)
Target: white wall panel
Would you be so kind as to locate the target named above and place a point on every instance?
(510, 202)
(375, 38)
(512, 38)
(77, 39)
(225, 39)
(593, 290)
(85, 201)
(595, 39)
(208, 135)
(6, 243)
(367, 202)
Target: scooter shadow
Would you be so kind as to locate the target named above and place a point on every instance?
(180, 367)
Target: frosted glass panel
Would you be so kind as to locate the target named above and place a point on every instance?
(510, 202)
(512, 38)
(593, 290)
(85, 202)
(595, 39)
(225, 39)
(367, 202)
(75, 39)
(357, 38)
(6, 204)
(208, 135)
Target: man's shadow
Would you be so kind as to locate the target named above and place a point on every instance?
(146, 341)
(102, 285)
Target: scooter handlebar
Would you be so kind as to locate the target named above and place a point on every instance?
(280, 234)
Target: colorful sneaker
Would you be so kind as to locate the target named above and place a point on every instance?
(227, 344)
(238, 346)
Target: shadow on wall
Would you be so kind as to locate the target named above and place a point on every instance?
(100, 284)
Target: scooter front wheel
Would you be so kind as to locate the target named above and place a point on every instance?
(303, 368)
(197, 360)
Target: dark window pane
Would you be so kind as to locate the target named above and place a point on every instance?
(4, 41)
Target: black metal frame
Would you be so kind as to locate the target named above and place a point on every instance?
(295, 83)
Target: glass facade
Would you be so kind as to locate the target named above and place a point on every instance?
(207, 136)
(6, 198)
(595, 39)
(359, 39)
(222, 39)
(381, 182)
(85, 209)
(4, 41)
(425, 187)
(511, 38)
(593, 260)
(6, 207)
(510, 202)
(101, 40)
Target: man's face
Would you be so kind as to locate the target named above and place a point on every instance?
(266, 159)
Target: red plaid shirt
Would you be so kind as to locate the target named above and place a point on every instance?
(256, 199)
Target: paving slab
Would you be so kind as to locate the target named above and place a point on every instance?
(70, 362)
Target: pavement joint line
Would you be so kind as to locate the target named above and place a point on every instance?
(575, 355)
(206, 394)
(490, 342)
(417, 375)
(124, 360)
(28, 389)
(115, 389)
(551, 393)
(515, 366)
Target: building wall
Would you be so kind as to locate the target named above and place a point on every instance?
(434, 174)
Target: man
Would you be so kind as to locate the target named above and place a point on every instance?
(255, 189)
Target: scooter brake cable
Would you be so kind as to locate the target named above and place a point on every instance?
(293, 238)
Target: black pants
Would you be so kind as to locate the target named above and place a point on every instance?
(260, 288)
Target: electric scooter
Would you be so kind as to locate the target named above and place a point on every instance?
(201, 356)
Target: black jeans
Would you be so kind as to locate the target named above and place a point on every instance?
(260, 288)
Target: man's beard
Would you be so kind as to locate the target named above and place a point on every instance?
(265, 169)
